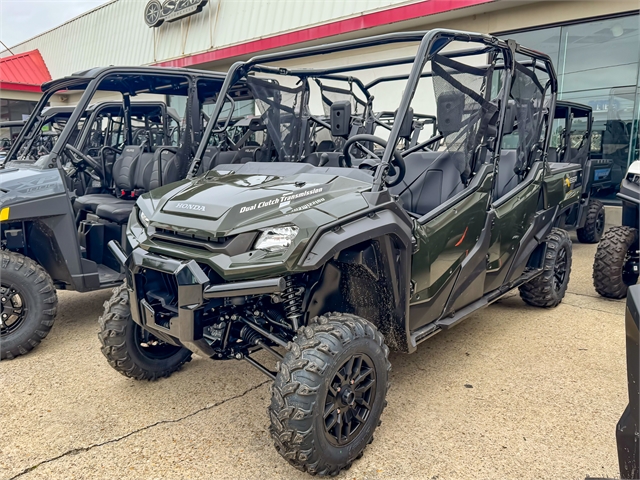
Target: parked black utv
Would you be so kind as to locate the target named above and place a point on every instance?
(617, 263)
(61, 202)
(571, 143)
(628, 428)
(349, 244)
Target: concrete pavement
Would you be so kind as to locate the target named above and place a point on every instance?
(512, 392)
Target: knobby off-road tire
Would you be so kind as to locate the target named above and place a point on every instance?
(336, 367)
(29, 304)
(594, 225)
(610, 277)
(548, 289)
(123, 343)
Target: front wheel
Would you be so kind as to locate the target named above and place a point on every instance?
(131, 350)
(548, 289)
(28, 304)
(613, 267)
(329, 393)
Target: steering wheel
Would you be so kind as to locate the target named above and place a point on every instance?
(397, 167)
(73, 154)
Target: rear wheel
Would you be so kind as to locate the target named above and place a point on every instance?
(28, 304)
(613, 267)
(594, 224)
(329, 393)
(130, 349)
(548, 289)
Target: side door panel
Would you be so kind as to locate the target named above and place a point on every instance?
(443, 245)
(513, 217)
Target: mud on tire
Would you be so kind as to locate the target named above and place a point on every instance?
(594, 224)
(548, 289)
(29, 301)
(122, 343)
(610, 277)
(332, 349)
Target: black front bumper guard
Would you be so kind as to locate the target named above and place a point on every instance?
(194, 289)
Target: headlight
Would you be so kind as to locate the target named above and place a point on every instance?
(276, 239)
(634, 177)
(143, 219)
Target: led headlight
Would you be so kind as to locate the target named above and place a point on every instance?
(276, 239)
(143, 219)
(634, 177)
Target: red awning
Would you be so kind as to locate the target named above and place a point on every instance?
(24, 72)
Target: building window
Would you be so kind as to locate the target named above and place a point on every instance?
(12, 110)
(597, 64)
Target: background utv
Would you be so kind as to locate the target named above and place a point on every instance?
(68, 190)
(348, 244)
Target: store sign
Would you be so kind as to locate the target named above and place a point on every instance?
(156, 13)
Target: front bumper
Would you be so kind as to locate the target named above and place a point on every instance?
(194, 290)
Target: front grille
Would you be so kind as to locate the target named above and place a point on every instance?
(231, 245)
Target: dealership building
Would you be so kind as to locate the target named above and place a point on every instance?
(594, 44)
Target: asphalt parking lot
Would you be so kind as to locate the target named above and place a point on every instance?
(513, 392)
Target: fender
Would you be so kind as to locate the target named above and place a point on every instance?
(52, 240)
(391, 229)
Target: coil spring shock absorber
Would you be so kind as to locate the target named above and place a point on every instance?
(292, 302)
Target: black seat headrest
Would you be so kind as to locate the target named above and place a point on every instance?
(450, 110)
(406, 128)
(340, 117)
(509, 118)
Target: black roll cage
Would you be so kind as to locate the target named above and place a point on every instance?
(570, 108)
(430, 43)
(91, 80)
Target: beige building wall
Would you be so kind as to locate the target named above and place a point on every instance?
(499, 16)
(517, 15)
(17, 95)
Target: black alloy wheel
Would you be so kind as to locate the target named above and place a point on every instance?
(13, 309)
(549, 287)
(329, 393)
(28, 304)
(560, 269)
(349, 398)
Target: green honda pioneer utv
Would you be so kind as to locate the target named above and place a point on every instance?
(571, 143)
(343, 243)
(67, 187)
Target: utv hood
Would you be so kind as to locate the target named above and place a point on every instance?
(226, 199)
(27, 183)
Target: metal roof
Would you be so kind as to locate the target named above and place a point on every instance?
(80, 79)
(24, 70)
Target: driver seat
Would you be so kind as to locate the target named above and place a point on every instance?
(146, 179)
(124, 176)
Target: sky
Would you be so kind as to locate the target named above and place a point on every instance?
(23, 19)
